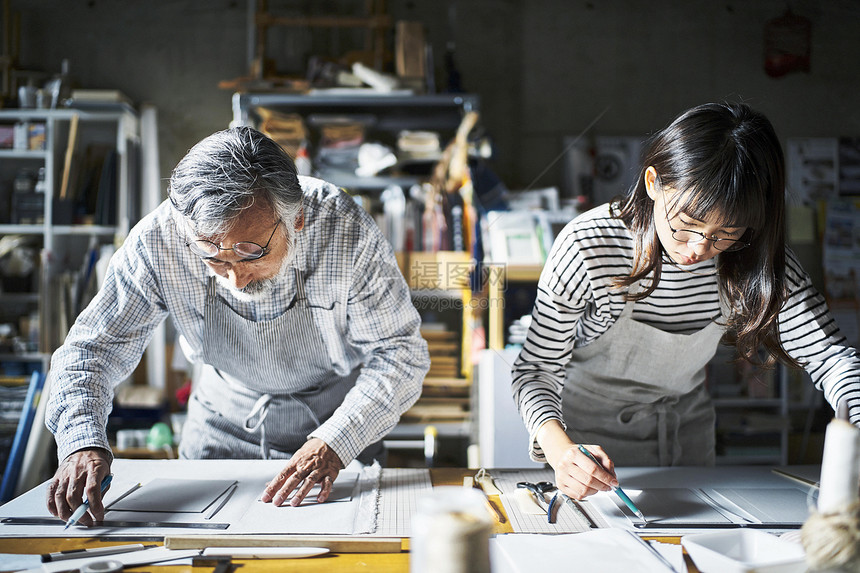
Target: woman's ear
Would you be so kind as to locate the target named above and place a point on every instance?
(300, 220)
(651, 182)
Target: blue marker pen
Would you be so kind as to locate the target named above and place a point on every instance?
(82, 509)
(620, 492)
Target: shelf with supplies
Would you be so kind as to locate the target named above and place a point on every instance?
(439, 284)
(356, 140)
(500, 276)
(68, 183)
(752, 406)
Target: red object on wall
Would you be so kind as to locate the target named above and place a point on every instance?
(787, 44)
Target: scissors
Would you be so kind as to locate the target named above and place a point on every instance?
(539, 489)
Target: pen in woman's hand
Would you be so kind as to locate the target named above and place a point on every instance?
(617, 489)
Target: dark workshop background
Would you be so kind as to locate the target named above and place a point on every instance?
(544, 69)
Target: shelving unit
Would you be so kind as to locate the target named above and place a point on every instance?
(499, 277)
(384, 117)
(60, 242)
(752, 408)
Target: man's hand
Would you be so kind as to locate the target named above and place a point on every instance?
(313, 463)
(79, 477)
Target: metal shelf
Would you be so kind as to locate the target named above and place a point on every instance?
(22, 229)
(117, 128)
(28, 357)
(18, 297)
(38, 154)
(84, 230)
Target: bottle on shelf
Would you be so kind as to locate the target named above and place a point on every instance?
(40, 181)
(303, 160)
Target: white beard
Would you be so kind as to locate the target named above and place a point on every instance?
(259, 290)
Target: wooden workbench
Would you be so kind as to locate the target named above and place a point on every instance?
(375, 562)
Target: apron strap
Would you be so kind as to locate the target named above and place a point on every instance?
(668, 426)
(627, 311)
(260, 411)
(300, 287)
(255, 421)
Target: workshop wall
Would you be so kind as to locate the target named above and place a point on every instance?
(545, 69)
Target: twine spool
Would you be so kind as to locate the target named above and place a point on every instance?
(832, 541)
(450, 533)
(831, 535)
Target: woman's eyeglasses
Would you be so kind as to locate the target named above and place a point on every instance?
(690, 236)
(248, 250)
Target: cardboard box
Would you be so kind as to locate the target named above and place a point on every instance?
(447, 270)
(36, 137)
(7, 136)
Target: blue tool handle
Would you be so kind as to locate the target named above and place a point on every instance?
(82, 509)
(629, 502)
(550, 517)
(620, 492)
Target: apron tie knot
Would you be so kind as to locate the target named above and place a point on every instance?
(260, 411)
(668, 426)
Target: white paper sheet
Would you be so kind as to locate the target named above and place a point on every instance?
(341, 490)
(604, 550)
(399, 491)
(668, 510)
(669, 506)
(242, 513)
(173, 495)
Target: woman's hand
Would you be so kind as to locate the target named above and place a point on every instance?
(315, 462)
(576, 475)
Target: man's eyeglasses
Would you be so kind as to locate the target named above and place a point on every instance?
(248, 250)
(690, 236)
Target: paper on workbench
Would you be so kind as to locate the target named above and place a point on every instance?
(604, 550)
(242, 512)
(671, 508)
(18, 562)
(399, 491)
(174, 495)
(311, 517)
(668, 506)
(775, 505)
(341, 490)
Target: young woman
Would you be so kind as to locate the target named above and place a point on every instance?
(636, 295)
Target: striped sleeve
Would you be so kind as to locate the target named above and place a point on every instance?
(573, 307)
(810, 334)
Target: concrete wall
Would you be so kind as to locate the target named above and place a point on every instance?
(544, 68)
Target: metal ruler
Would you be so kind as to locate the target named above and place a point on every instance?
(115, 523)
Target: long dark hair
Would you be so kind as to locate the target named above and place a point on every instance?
(725, 160)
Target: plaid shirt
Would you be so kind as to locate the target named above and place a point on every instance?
(348, 267)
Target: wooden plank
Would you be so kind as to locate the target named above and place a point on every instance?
(68, 163)
(337, 544)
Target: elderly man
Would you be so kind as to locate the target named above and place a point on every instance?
(283, 289)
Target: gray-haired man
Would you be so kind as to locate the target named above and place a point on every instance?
(285, 292)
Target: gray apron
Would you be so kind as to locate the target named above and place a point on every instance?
(639, 393)
(265, 385)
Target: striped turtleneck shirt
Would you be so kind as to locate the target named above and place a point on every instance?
(576, 303)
